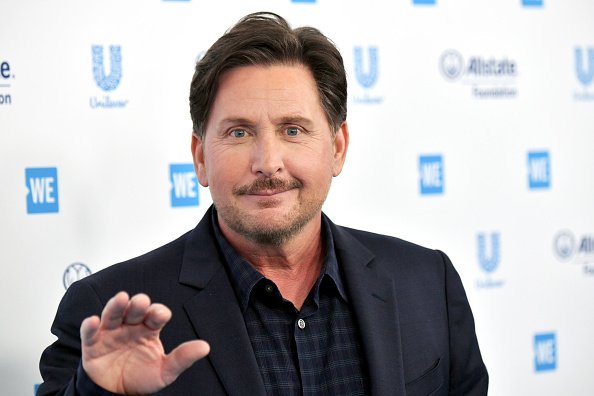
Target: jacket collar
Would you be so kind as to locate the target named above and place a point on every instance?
(376, 310)
(215, 314)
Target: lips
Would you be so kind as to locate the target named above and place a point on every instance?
(266, 193)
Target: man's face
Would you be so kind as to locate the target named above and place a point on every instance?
(268, 154)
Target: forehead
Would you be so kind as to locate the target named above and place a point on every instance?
(274, 88)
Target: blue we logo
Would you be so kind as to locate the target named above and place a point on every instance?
(545, 352)
(184, 185)
(532, 3)
(42, 190)
(431, 176)
(539, 170)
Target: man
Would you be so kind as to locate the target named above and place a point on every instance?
(287, 302)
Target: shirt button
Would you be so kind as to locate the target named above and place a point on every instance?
(269, 288)
(301, 324)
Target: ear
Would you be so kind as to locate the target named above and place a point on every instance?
(198, 155)
(341, 145)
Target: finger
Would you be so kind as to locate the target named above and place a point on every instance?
(113, 313)
(182, 358)
(157, 316)
(137, 309)
(88, 329)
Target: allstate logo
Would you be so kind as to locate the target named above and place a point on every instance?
(451, 64)
(107, 82)
(564, 245)
(489, 77)
(74, 272)
(6, 77)
(488, 261)
(576, 250)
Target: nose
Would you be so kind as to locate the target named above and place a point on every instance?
(267, 156)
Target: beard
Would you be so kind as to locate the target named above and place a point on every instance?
(277, 231)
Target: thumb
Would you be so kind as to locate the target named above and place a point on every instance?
(182, 357)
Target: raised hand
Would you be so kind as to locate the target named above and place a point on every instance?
(122, 352)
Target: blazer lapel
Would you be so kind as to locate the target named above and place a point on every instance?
(216, 316)
(375, 306)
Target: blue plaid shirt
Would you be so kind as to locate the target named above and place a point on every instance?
(314, 351)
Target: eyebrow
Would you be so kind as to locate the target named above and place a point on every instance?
(290, 119)
(296, 119)
(233, 121)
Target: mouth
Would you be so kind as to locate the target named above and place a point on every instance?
(269, 192)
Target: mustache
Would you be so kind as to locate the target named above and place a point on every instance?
(260, 185)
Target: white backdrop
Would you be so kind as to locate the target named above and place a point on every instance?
(472, 131)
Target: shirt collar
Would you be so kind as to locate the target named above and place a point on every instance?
(244, 276)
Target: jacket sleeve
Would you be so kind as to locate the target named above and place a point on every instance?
(60, 363)
(468, 374)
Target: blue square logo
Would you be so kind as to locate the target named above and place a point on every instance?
(42, 190)
(184, 185)
(545, 352)
(425, 2)
(431, 174)
(303, 1)
(532, 3)
(539, 170)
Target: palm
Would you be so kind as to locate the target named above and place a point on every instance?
(122, 351)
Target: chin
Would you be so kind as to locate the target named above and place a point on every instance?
(270, 225)
(272, 235)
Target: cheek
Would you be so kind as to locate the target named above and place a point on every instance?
(313, 172)
(224, 171)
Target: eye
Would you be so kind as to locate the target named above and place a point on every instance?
(238, 133)
(292, 131)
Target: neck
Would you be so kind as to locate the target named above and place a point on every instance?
(293, 266)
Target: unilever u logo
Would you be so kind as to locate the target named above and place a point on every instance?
(111, 81)
(367, 77)
(584, 68)
(489, 262)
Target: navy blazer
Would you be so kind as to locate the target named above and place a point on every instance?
(416, 326)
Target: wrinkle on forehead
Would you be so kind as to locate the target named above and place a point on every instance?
(277, 93)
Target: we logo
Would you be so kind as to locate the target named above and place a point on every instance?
(184, 185)
(431, 177)
(545, 352)
(42, 186)
(539, 170)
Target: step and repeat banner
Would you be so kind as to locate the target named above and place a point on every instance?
(472, 131)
